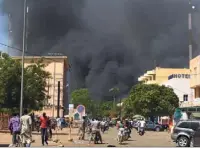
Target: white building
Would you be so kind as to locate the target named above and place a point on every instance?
(180, 83)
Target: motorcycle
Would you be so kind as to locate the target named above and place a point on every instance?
(126, 133)
(141, 131)
(96, 137)
(120, 136)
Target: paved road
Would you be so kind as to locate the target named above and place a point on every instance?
(150, 139)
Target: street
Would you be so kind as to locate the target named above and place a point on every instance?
(150, 139)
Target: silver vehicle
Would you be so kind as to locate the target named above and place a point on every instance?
(183, 132)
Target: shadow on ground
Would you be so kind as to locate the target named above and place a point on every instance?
(4, 145)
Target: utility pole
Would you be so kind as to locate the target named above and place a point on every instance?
(23, 51)
(58, 102)
(9, 33)
(190, 37)
(190, 29)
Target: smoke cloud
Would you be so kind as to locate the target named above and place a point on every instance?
(109, 42)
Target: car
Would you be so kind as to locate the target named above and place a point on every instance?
(184, 131)
(153, 126)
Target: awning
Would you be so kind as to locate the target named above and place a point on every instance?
(195, 115)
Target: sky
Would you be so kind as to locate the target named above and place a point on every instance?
(3, 31)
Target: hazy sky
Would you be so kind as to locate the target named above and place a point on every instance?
(3, 30)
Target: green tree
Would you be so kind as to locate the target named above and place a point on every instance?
(151, 100)
(10, 85)
(105, 108)
(81, 96)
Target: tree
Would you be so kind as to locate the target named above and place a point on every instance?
(151, 100)
(105, 108)
(10, 85)
(81, 96)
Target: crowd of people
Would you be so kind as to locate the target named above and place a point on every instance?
(23, 126)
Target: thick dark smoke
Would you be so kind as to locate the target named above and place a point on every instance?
(109, 42)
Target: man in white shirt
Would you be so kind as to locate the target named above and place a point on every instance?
(26, 124)
(96, 128)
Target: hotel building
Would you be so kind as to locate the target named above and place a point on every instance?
(160, 75)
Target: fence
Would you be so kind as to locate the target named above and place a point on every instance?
(4, 118)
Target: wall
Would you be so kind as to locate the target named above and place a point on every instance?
(181, 86)
(163, 73)
(195, 72)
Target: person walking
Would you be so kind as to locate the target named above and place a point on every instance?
(43, 125)
(26, 124)
(14, 127)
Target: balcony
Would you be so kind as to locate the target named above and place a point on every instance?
(151, 72)
(142, 78)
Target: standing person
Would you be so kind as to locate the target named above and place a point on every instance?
(59, 123)
(83, 126)
(43, 125)
(26, 124)
(14, 127)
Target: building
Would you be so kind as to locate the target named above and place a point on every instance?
(160, 75)
(195, 79)
(58, 67)
(180, 83)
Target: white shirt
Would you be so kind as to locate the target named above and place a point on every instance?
(26, 123)
(95, 125)
(142, 123)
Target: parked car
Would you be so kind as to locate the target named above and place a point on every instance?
(195, 139)
(184, 131)
(153, 126)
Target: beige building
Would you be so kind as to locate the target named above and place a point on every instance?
(58, 67)
(160, 75)
(195, 79)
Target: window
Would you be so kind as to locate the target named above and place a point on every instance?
(194, 125)
(184, 125)
(185, 97)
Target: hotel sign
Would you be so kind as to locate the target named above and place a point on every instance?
(179, 76)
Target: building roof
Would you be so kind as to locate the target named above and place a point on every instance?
(37, 57)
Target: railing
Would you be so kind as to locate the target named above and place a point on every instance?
(4, 119)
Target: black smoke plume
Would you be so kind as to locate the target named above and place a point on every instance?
(109, 42)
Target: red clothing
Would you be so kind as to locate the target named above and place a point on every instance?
(44, 122)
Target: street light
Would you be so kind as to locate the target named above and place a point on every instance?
(23, 52)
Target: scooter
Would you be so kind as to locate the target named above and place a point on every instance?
(141, 131)
(126, 134)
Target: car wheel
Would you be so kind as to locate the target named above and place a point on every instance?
(183, 141)
(157, 129)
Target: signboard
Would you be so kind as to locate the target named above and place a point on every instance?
(81, 110)
(71, 110)
(186, 76)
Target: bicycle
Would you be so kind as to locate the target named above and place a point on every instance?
(19, 141)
